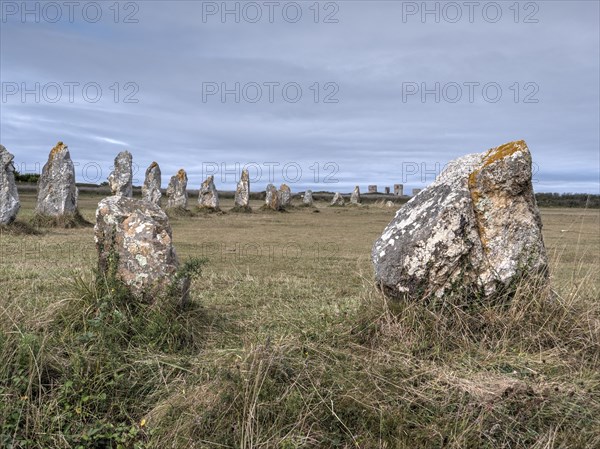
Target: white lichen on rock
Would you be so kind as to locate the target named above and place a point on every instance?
(476, 228)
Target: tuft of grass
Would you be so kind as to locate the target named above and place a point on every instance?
(19, 228)
(178, 212)
(65, 221)
(241, 209)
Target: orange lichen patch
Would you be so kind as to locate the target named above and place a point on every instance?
(59, 146)
(153, 164)
(503, 151)
(181, 175)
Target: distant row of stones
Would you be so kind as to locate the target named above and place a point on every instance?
(475, 231)
(58, 193)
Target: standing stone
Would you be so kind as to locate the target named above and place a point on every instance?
(387, 190)
(355, 197)
(475, 231)
(372, 189)
(177, 196)
(152, 182)
(307, 200)
(138, 233)
(272, 198)
(415, 192)
(399, 189)
(285, 195)
(121, 177)
(208, 196)
(242, 193)
(57, 192)
(338, 200)
(9, 196)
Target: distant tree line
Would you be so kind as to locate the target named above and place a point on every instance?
(568, 200)
(26, 177)
(543, 199)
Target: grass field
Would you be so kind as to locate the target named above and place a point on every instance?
(287, 344)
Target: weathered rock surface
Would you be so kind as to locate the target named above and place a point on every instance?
(242, 192)
(120, 179)
(208, 197)
(285, 196)
(475, 230)
(9, 197)
(138, 233)
(338, 200)
(272, 198)
(57, 192)
(177, 196)
(307, 200)
(355, 197)
(152, 183)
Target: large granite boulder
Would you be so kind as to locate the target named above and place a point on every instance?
(57, 192)
(242, 193)
(120, 179)
(135, 237)
(208, 197)
(355, 197)
(177, 196)
(285, 196)
(9, 197)
(475, 231)
(152, 182)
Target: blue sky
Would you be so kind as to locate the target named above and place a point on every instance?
(352, 92)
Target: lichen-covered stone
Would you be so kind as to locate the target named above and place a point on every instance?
(242, 192)
(476, 230)
(208, 196)
(355, 197)
(338, 200)
(272, 198)
(285, 196)
(9, 196)
(177, 196)
(138, 233)
(57, 192)
(120, 179)
(307, 199)
(152, 183)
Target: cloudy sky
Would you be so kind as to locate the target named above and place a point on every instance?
(320, 95)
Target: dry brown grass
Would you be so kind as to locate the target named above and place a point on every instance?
(289, 345)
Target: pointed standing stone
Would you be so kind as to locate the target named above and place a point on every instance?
(355, 198)
(242, 192)
(151, 188)
(57, 192)
(9, 197)
(338, 200)
(308, 198)
(285, 195)
(177, 191)
(272, 198)
(121, 177)
(208, 196)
